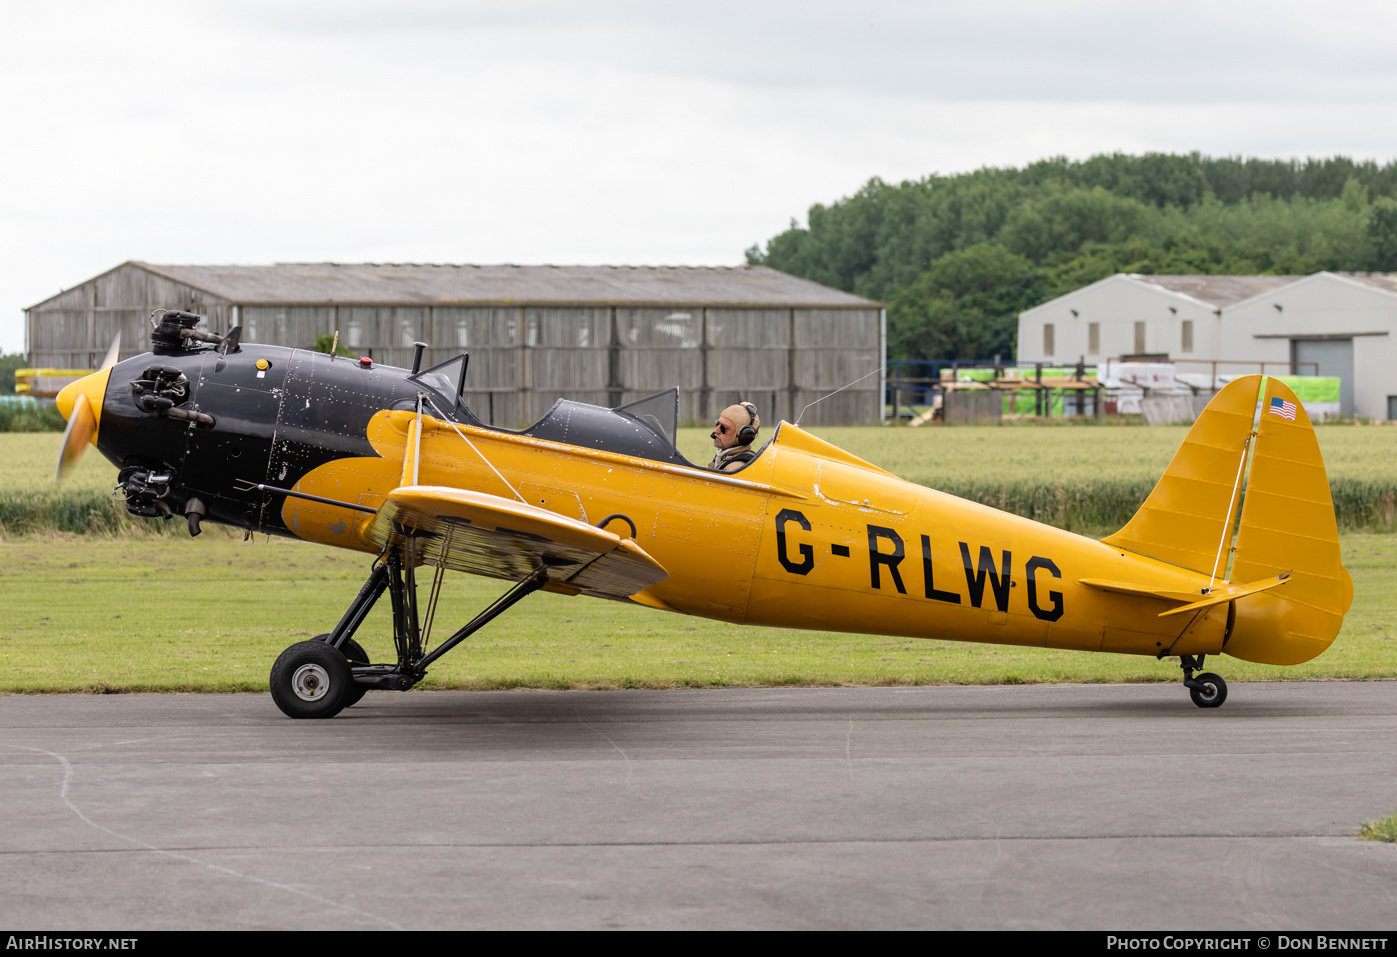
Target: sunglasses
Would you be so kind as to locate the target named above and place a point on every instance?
(722, 429)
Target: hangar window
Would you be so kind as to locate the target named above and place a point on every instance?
(1139, 338)
(1187, 345)
(1047, 339)
(1094, 338)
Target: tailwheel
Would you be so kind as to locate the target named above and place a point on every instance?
(356, 655)
(1207, 690)
(1211, 690)
(311, 680)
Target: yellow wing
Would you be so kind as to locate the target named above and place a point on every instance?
(492, 536)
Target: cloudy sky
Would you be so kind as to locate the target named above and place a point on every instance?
(609, 131)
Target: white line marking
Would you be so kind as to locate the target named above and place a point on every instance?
(63, 795)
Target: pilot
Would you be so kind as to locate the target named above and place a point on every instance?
(733, 435)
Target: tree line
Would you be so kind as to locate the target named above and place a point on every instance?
(957, 258)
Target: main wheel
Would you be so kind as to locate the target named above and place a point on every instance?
(311, 680)
(1212, 694)
(356, 655)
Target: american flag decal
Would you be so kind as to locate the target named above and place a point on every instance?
(1284, 409)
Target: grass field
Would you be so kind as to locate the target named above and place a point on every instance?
(155, 613)
(126, 609)
(1087, 479)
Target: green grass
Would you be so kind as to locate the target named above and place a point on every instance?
(1383, 829)
(113, 613)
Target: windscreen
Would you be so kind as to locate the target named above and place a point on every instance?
(447, 378)
(659, 411)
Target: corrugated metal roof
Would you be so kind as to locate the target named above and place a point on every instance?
(1218, 291)
(406, 283)
(1386, 281)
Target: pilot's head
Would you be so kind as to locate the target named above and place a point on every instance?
(736, 425)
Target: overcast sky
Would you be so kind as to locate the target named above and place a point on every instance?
(608, 131)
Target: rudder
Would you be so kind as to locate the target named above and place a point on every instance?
(1288, 523)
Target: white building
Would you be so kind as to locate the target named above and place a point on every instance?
(1345, 323)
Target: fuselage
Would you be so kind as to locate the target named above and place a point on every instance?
(805, 536)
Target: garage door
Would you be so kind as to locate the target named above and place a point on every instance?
(1335, 358)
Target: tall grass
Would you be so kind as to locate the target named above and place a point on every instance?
(23, 417)
(1101, 506)
(1086, 480)
(62, 510)
(31, 501)
(1092, 480)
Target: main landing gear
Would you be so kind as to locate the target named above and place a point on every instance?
(322, 677)
(1207, 690)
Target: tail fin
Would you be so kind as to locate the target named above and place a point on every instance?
(1189, 513)
(1287, 520)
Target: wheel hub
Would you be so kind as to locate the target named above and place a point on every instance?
(310, 682)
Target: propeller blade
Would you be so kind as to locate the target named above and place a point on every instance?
(82, 424)
(113, 353)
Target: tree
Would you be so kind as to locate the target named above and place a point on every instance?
(966, 306)
(325, 340)
(1382, 234)
(1080, 221)
(8, 365)
(1065, 219)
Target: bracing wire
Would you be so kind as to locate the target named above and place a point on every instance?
(837, 391)
(477, 451)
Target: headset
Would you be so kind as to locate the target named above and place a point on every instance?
(748, 433)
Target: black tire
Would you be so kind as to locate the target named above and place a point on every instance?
(356, 654)
(311, 680)
(1213, 693)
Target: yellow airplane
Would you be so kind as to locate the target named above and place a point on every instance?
(1235, 551)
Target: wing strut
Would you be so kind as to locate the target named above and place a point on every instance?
(392, 574)
(502, 604)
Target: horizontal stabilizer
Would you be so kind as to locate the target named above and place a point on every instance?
(1191, 601)
(1228, 593)
(1141, 589)
(496, 537)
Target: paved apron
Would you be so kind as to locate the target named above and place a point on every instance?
(1101, 806)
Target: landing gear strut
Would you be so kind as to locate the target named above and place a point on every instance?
(320, 678)
(1207, 690)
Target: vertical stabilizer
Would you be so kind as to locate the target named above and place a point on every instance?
(1189, 514)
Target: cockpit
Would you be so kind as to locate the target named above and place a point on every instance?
(646, 428)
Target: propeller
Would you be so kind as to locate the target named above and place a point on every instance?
(82, 425)
(113, 353)
(83, 416)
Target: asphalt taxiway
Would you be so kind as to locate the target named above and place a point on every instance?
(1106, 806)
